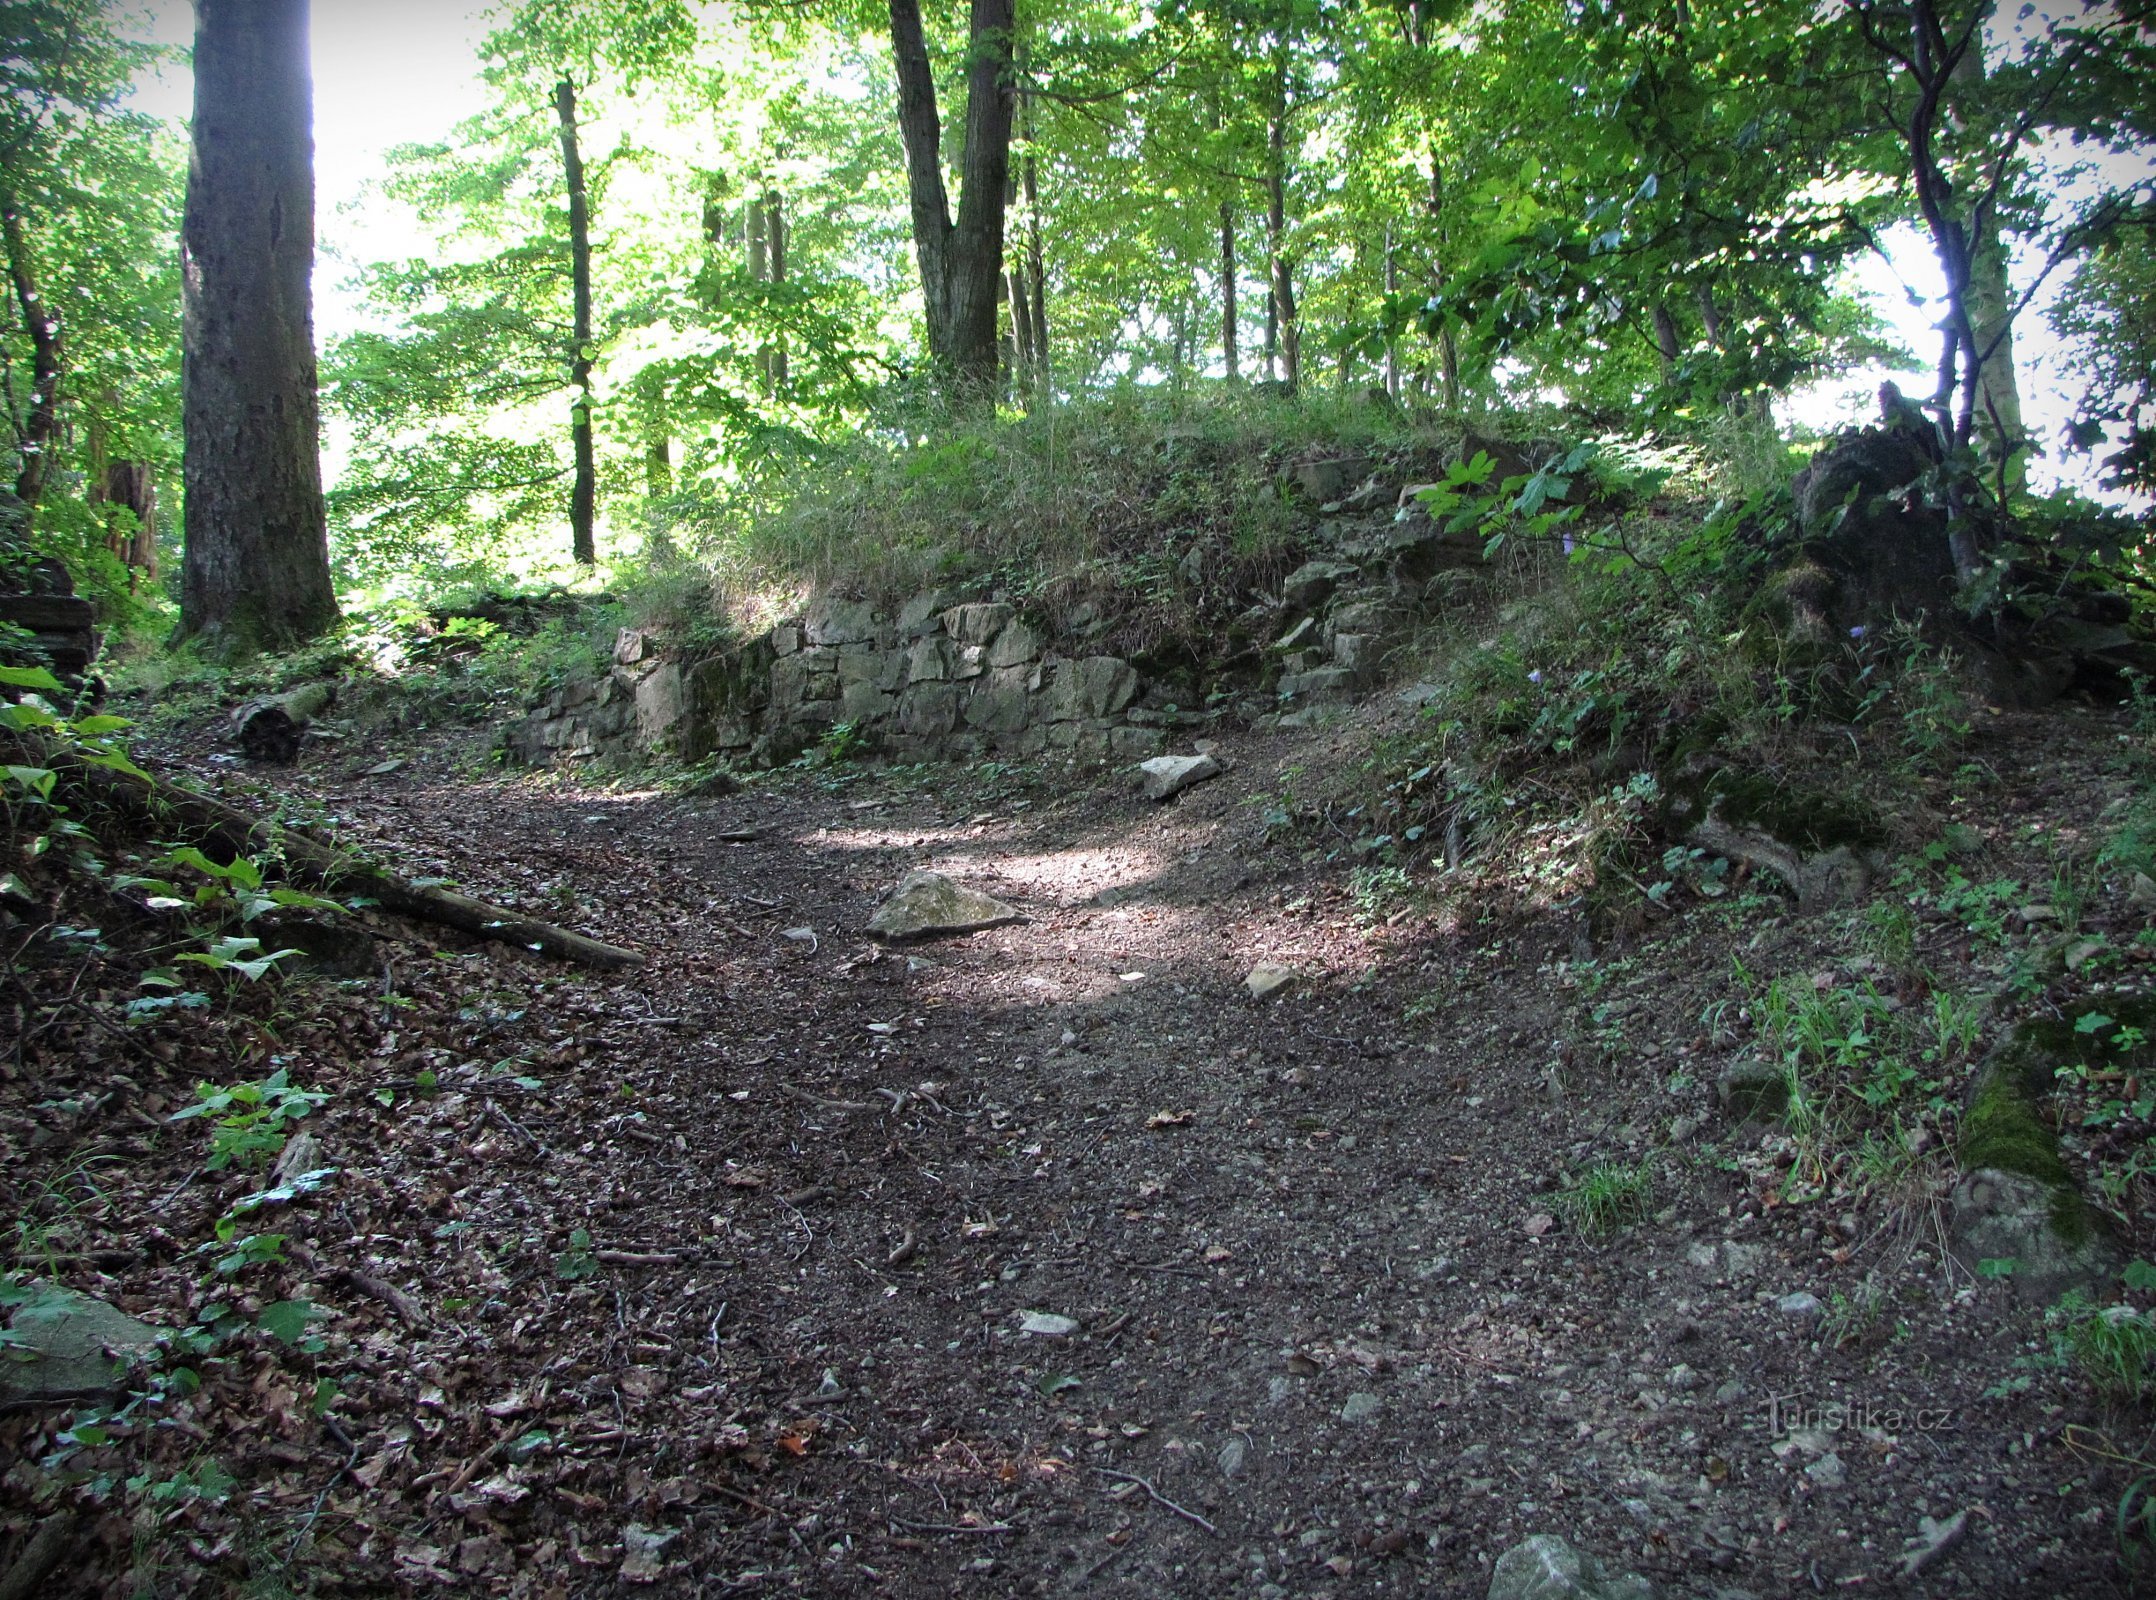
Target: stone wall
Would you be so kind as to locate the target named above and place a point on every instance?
(938, 682)
(949, 679)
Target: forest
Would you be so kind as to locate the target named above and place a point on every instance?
(1243, 796)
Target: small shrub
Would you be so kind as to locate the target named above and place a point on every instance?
(2112, 1347)
(250, 1121)
(1608, 1199)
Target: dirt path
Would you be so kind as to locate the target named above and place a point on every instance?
(735, 1253)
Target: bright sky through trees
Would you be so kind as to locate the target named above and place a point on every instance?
(406, 71)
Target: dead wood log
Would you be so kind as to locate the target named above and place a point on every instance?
(310, 861)
(272, 726)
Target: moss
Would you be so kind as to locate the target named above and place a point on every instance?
(2004, 1129)
(1810, 820)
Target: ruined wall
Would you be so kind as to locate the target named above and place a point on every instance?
(939, 682)
(957, 680)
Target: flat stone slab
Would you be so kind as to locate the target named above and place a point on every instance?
(1168, 776)
(75, 1345)
(1269, 978)
(1547, 1568)
(926, 904)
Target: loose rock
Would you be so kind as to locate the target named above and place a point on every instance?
(76, 1346)
(1547, 1568)
(1269, 978)
(1168, 776)
(926, 904)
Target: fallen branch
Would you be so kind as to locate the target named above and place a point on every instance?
(390, 1295)
(1184, 1512)
(311, 861)
(821, 1103)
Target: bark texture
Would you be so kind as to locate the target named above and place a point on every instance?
(256, 569)
(41, 419)
(961, 259)
(584, 490)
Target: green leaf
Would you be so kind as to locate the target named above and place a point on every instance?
(31, 678)
(286, 1320)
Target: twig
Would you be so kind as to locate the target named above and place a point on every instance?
(903, 1252)
(1184, 1512)
(952, 1527)
(538, 1145)
(390, 1295)
(637, 1258)
(821, 1103)
(351, 1457)
(1167, 1271)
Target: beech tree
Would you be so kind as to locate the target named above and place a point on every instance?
(961, 257)
(256, 567)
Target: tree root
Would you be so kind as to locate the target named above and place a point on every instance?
(309, 860)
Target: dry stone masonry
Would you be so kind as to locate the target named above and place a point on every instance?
(938, 682)
(948, 678)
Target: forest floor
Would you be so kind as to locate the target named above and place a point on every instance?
(717, 1273)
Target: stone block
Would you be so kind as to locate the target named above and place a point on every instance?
(1358, 652)
(928, 709)
(1132, 744)
(998, 704)
(832, 621)
(1319, 683)
(930, 660)
(1015, 644)
(978, 622)
(1032, 740)
(922, 614)
(1312, 583)
(864, 702)
(1097, 686)
(661, 702)
(611, 720)
(785, 639)
(971, 662)
(632, 645)
(1329, 480)
(879, 669)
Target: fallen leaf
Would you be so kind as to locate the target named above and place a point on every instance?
(1169, 1119)
(1539, 1224)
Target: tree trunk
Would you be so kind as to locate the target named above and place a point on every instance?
(775, 233)
(1281, 326)
(41, 423)
(1392, 290)
(1227, 291)
(1998, 402)
(1036, 265)
(961, 262)
(1665, 340)
(256, 569)
(1448, 344)
(584, 491)
(130, 486)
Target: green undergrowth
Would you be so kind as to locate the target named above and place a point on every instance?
(1145, 515)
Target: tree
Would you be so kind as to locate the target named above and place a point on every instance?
(961, 259)
(89, 290)
(256, 569)
(1967, 129)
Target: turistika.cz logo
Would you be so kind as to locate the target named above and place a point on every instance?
(1789, 1413)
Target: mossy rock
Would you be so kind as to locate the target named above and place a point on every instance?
(2017, 1199)
(1825, 847)
(1787, 623)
